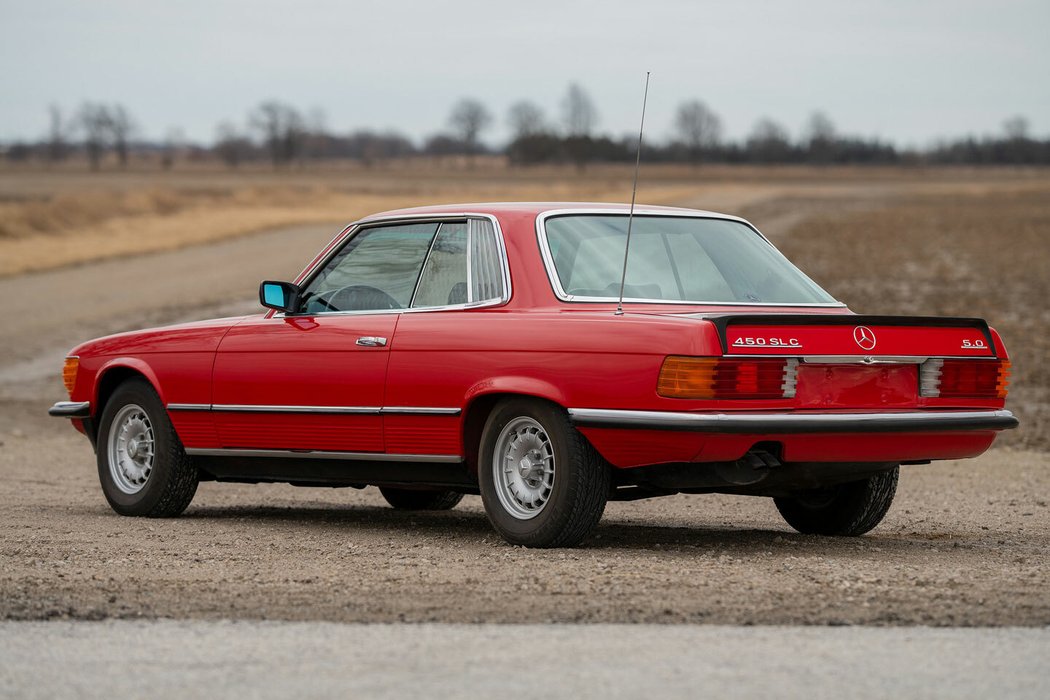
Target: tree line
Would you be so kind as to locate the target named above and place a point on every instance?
(281, 134)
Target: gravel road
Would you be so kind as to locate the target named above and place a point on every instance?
(281, 660)
(965, 544)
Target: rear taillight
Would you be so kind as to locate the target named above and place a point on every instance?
(723, 378)
(972, 379)
(69, 373)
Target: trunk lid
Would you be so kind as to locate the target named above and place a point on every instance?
(853, 336)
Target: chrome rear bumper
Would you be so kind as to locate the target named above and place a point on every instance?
(769, 423)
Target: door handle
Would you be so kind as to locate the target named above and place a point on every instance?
(371, 341)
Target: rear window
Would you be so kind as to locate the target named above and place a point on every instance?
(678, 259)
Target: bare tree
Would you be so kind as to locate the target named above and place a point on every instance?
(819, 137)
(282, 128)
(231, 145)
(768, 141)
(57, 134)
(315, 136)
(121, 127)
(1016, 128)
(174, 143)
(578, 112)
(698, 126)
(525, 119)
(468, 119)
(93, 120)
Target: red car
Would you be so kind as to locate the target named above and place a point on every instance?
(478, 348)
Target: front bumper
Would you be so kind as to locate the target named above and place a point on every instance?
(70, 409)
(795, 423)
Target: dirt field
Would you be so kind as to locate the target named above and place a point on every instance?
(966, 543)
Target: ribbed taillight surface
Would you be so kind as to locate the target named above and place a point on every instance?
(972, 379)
(727, 378)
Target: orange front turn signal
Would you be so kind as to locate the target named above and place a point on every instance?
(69, 373)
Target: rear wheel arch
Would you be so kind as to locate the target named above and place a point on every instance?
(476, 414)
(541, 481)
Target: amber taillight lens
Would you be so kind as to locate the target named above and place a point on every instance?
(69, 373)
(727, 378)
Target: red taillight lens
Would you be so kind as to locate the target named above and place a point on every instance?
(973, 379)
(721, 378)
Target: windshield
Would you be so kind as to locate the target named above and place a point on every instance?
(674, 259)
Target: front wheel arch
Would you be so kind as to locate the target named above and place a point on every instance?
(109, 379)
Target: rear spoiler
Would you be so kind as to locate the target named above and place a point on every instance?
(723, 321)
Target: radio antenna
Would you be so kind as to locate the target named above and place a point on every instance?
(634, 193)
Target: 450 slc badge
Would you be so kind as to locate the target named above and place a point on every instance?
(746, 342)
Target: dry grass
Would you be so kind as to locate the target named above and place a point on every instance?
(74, 225)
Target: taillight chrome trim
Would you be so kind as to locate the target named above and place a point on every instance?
(930, 377)
(790, 378)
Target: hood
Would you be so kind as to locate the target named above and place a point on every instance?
(195, 336)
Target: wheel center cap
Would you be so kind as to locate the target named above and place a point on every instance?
(133, 448)
(525, 466)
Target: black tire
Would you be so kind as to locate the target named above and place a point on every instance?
(171, 483)
(409, 499)
(846, 510)
(579, 487)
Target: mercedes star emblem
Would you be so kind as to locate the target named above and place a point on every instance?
(865, 337)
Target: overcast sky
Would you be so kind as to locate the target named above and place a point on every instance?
(905, 70)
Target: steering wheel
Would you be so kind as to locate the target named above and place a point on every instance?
(359, 297)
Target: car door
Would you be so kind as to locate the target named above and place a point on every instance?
(314, 380)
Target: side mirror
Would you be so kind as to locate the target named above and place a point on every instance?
(282, 296)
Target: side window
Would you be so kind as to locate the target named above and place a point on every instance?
(486, 273)
(402, 266)
(463, 266)
(444, 278)
(378, 269)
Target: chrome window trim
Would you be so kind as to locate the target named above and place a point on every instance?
(320, 454)
(308, 275)
(351, 410)
(559, 291)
